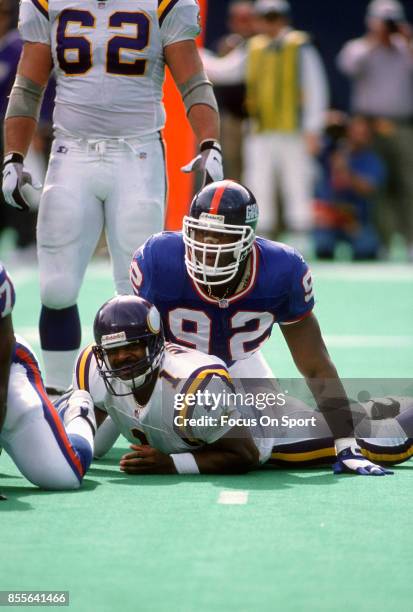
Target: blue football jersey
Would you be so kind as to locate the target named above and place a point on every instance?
(7, 295)
(279, 290)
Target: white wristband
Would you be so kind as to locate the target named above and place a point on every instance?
(185, 463)
(342, 443)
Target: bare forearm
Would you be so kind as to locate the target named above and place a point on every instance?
(211, 461)
(185, 65)
(204, 122)
(33, 72)
(227, 456)
(18, 134)
(332, 401)
(3, 406)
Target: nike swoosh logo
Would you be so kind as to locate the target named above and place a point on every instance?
(7, 174)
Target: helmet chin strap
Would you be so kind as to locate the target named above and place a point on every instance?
(138, 381)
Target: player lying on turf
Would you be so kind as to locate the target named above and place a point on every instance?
(220, 289)
(135, 378)
(50, 454)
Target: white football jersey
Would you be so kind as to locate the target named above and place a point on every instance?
(109, 60)
(171, 421)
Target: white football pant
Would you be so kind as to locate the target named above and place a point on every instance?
(118, 185)
(33, 434)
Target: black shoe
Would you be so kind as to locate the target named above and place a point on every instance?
(54, 394)
(381, 410)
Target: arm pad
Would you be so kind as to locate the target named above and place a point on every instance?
(198, 90)
(25, 99)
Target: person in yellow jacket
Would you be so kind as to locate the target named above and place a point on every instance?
(287, 97)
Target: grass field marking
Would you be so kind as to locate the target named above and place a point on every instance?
(229, 498)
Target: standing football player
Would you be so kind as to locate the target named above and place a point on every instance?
(50, 453)
(107, 166)
(177, 407)
(220, 289)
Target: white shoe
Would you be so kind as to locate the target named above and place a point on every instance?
(80, 404)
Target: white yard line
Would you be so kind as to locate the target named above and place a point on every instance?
(238, 498)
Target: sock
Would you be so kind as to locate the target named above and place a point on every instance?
(60, 337)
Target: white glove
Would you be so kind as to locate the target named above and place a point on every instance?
(351, 460)
(18, 188)
(209, 161)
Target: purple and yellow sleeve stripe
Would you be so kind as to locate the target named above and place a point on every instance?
(387, 454)
(164, 8)
(198, 382)
(83, 368)
(42, 6)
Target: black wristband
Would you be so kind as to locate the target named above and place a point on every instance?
(210, 144)
(13, 158)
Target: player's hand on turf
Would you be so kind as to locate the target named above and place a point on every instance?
(146, 460)
(350, 460)
(209, 161)
(18, 188)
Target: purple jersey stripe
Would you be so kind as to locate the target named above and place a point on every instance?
(166, 11)
(40, 6)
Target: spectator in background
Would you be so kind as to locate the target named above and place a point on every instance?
(380, 66)
(287, 97)
(231, 98)
(351, 176)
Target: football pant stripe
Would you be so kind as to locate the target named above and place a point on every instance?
(42, 6)
(28, 361)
